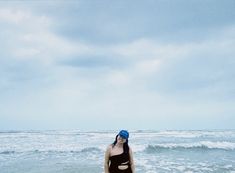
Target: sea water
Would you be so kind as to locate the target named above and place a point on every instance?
(83, 152)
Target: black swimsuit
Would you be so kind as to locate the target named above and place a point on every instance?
(118, 160)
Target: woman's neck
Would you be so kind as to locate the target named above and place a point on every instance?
(119, 145)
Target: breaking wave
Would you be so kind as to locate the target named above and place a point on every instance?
(204, 145)
(84, 150)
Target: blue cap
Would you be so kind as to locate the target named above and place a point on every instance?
(124, 134)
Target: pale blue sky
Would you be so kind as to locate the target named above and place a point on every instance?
(107, 65)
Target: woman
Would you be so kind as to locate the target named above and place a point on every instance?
(118, 156)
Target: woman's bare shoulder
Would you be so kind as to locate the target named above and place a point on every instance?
(109, 147)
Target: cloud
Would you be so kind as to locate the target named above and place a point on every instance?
(31, 49)
(146, 60)
(31, 37)
(165, 21)
(12, 16)
(175, 67)
(48, 72)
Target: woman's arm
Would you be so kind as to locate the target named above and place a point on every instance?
(106, 160)
(131, 160)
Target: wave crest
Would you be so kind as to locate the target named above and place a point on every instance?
(205, 145)
(84, 150)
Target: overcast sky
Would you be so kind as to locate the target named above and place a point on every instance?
(107, 65)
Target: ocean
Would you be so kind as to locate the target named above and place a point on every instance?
(77, 151)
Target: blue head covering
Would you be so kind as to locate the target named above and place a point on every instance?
(124, 134)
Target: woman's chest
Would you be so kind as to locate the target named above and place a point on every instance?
(116, 151)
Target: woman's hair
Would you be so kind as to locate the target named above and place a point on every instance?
(125, 145)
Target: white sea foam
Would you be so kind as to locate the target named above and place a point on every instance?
(197, 145)
(180, 168)
(219, 145)
(138, 148)
(184, 134)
